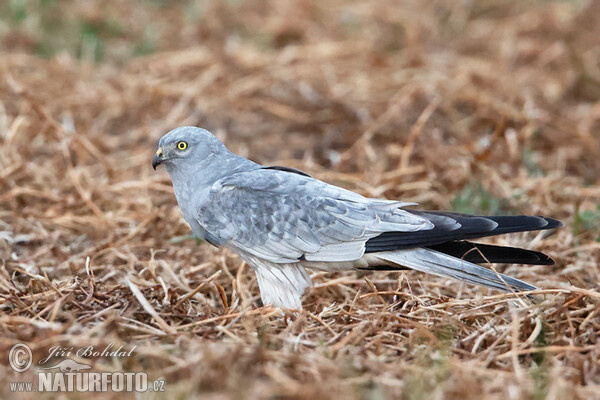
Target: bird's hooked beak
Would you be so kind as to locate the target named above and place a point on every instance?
(158, 158)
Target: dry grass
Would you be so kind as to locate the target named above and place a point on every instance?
(479, 106)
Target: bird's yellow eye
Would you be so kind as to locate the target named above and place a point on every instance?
(182, 145)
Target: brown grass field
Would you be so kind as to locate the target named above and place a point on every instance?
(484, 106)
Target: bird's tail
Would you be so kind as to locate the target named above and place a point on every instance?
(437, 263)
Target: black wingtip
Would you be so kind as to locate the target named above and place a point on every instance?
(550, 261)
(543, 259)
(481, 253)
(553, 223)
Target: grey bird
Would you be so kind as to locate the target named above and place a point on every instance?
(281, 221)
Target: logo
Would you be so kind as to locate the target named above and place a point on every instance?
(73, 376)
(69, 365)
(20, 358)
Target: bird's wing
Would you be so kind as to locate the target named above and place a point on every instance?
(285, 217)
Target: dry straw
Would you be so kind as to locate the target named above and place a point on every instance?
(492, 106)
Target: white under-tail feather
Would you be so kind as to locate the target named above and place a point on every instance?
(440, 264)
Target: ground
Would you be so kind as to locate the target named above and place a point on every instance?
(487, 107)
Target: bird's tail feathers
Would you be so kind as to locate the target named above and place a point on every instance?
(444, 265)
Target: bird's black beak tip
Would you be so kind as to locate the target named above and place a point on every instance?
(156, 161)
(158, 158)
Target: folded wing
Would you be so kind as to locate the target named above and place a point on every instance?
(285, 217)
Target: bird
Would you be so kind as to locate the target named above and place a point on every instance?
(281, 221)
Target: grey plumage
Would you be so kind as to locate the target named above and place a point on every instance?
(281, 221)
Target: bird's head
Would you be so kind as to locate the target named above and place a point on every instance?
(186, 145)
